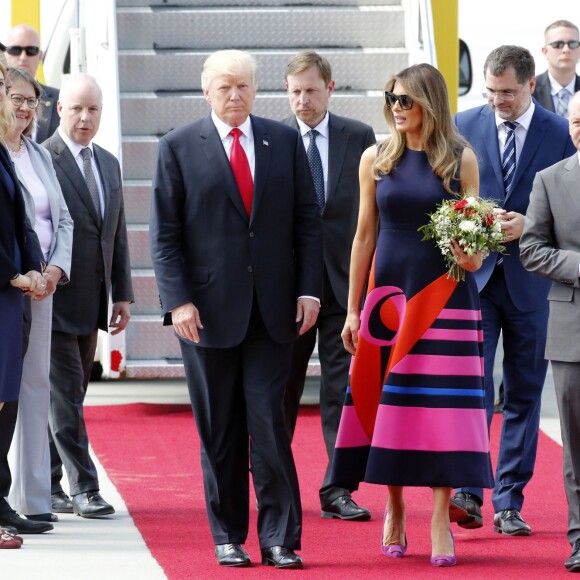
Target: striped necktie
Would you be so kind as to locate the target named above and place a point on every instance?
(562, 105)
(316, 167)
(508, 160)
(91, 181)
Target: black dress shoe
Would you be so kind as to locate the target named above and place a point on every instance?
(22, 525)
(464, 509)
(281, 557)
(9, 530)
(42, 517)
(61, 503)
(510, 523)
(232, 555)
(344, 508)
(91, 505)
(572, 564)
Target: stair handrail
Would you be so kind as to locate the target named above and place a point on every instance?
(419, 31)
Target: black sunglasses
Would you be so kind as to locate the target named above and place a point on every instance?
(17, 50)
(559, 44)
(405, 101)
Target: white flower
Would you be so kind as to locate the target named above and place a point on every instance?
(467, 226)
(472, 202)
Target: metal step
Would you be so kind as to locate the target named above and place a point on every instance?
(180, 70)
(272, 27)
(137, 192)
(146, 293)
(251, 3)
(138, 236)
(148, 339)
(146, 114)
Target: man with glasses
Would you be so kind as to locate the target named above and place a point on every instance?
(23, 51)
(555, 87)
(514, 139)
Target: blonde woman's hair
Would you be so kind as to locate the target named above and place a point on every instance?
(7, 119)
(442, 142)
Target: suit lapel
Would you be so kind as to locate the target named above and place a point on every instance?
(489, 133)
(213, 149)
(263, 156)
(70, 169)
(572, 178)
(337, 146)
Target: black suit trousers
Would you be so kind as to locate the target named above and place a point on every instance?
(237, 395)
(71, 362)
(334, 365)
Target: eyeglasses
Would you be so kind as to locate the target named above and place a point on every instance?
(18, 100)
(502, 95)
(559, 44)
(17, 50)
(405, 101)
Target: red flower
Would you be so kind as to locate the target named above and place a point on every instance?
(458, 205)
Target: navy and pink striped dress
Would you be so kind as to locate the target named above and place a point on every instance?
(414, 411)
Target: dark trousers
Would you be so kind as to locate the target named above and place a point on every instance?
(71, 362)
(237, 395)
(334, 366)
(524, 373)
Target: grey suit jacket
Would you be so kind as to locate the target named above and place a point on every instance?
(348, 139)
(543, 91)
(49, 120)
(550, 246)
(100, 255)
(62, 224)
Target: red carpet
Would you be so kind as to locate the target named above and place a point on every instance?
(151, 452)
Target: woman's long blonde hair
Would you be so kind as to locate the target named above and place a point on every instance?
(442, 142)
(7, 119)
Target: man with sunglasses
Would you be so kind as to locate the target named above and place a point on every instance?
(555, 87)
(514, 138)
(23, 51)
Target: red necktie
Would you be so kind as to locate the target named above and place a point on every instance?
(241, 169)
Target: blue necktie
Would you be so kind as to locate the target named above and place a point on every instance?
(562, 106)
(316, 168)
(508, 161)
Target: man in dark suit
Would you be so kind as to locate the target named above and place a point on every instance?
(555, 87)
(550, 246)
(90, 178)
(514, 138)
(23, 51)
(340, 142)
(237, 252)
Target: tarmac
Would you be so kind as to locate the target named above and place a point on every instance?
(112, 547)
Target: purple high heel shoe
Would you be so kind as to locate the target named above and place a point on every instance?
(443, 560)
(393, 550)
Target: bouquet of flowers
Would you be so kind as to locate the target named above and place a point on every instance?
(470, 221)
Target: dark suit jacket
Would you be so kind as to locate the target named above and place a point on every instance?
(99, 254)
(207, 251)
(15, 228)
(543, 91)
(347, 141)
(547, 142)
(49, 120)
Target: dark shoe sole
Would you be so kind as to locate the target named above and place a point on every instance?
(62, 510)
(291, 566)
(523, 532)
(41, 530)
(355, 518)
(94, 515)
(464, 519)
(246, 564)
(573, 567)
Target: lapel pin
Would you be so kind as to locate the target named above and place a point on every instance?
(265, 143)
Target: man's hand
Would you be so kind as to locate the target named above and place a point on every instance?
(37, 286)
(120, 316)
(307, 312)
(186, 321)
(512, 224)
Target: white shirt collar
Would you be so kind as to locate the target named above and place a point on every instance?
(556, 87)
(322, 127)
(523, 120)
(75, 148)
(224, 129)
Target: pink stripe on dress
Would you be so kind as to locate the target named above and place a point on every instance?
(411, 428)
(464, 335)
(435, 364)
(350, 432)
(459, 314)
